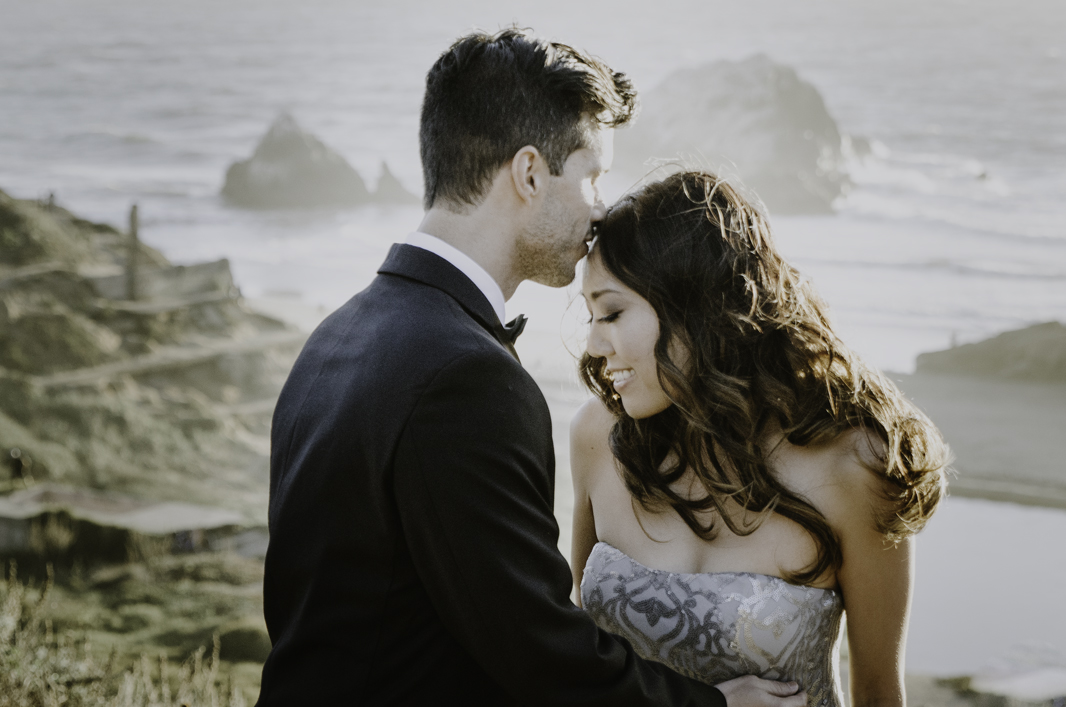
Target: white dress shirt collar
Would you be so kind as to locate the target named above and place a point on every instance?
(466, 265)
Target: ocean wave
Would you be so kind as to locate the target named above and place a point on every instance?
(997, 270)
(167, 192)
(1037, 224)
(953, 190)
(110, 135)
(925, 172)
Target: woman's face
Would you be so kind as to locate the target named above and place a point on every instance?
(624, 330)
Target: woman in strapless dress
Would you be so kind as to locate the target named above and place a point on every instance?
(742, 479)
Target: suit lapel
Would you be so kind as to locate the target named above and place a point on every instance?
(430, 269)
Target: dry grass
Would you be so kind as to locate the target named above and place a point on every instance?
(39, 668)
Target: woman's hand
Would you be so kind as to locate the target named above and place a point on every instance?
(750, 691)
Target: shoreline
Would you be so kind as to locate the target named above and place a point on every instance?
(1023, 493)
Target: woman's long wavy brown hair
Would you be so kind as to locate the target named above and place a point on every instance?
(759, 349)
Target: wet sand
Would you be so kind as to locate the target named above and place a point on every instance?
(1007, 436)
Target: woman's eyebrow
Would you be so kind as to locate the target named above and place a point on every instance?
(598, 293)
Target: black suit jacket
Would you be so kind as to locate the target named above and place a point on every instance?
(412, 556)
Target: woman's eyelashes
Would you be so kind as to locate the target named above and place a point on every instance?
(608, 318)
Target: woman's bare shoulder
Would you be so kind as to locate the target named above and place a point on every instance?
(591, 424)
(589, 431)
(857, 485)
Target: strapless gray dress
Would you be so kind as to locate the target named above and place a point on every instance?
(720, 625)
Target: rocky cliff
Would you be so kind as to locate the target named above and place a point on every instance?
(166, 395)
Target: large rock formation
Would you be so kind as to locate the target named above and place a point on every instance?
(293, 169)
(754, 120)
(390, 191)
(1036, 353)
(166, 396)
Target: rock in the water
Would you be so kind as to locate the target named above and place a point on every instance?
(390, 191)
(1035, 353)
(857, 146)
(754, 119)
(293, 169)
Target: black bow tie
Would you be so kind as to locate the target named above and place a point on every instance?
(513, 329)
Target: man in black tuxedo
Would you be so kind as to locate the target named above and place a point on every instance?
(412, 556)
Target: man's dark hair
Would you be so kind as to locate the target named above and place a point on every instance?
(490, 95)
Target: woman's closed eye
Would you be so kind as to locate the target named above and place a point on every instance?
(608, 318)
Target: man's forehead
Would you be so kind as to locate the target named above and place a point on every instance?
(607, 148)
(600, 141)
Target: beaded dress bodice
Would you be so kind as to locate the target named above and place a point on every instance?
(717, 626)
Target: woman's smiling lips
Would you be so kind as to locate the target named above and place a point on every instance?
(620, 376)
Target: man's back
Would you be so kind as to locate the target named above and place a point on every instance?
(347, 611)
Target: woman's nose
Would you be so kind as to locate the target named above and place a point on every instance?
(598, 346)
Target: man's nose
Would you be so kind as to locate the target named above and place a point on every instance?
(599, 210)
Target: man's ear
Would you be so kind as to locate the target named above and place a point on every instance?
(528, 173)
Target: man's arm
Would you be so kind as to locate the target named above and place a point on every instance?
(475, 499)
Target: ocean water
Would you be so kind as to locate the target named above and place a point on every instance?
(955, 228)
(988, 590)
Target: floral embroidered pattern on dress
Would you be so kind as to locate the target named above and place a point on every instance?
(717, 626)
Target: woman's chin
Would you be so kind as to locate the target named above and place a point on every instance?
(639, 409)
